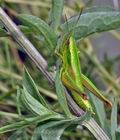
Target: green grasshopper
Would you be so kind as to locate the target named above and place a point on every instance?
(73, 79)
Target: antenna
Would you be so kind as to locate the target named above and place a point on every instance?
(77, 21)
(71, 31)
(66, 19)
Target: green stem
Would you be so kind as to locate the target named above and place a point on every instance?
(2, 113)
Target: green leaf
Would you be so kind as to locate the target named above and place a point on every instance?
(118, 129)
(118, 133)
(49, 131)
(93, 22)
(53, 130)
(114, 120)
(18, 102)
(3, 33)
(56, 13)
(99, 109)
(32, 104)
(18, 134)
(25, 29)
(40, 26)
(27, 122)
(101, 8)
(32, 89)
(61, 94)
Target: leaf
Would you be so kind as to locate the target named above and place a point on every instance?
(3, 33)
(32, 89)
(32, 104)
(99, 110)
(93, 22)
(54, 129)
(18, 102)
(118, 133)
(27, 122)
(61, 94)
(17, 134)
(56, 13)
(41, 27)
(25, 29)
(118, 129)
(101, 8)
(49, 131)
(114, 120)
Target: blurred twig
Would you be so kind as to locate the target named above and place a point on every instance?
(42, 64)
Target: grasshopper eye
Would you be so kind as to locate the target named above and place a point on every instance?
(84, 96)
(67, 42)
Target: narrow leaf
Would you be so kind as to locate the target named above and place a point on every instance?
(25, 29)
(31, 87)
(56, 12)
(61, 94)
(53, 130)
(93, 22)
(18, 134)
(49, 131)
(101, 8)
(26, 122)
(114, 120)
(99, 110)
(18, 102)
(41, 27)
(32, 104)
(118, 129)
(3, 33)
(118, 133)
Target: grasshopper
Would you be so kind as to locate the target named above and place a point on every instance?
(73, 78)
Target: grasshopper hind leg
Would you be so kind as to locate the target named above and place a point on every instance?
(82, 101)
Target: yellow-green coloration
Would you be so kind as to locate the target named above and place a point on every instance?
(74, 80)
(83, 103)
(71, 74)
(91, 87)
(75, 63)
